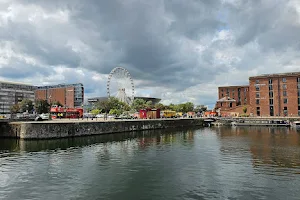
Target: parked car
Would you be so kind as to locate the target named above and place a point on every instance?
(43, 116)
(123, 116)
(111, 116)
(88, 115)
(100, 116)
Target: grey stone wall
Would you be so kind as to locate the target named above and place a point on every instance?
(7, 130)
(46, 130)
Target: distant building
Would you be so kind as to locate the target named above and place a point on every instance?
(152, 99)
(275, 94)
(13, 93)
(267, 95)
(239, 93)
(69, 95)
(232, 100)
(94, 100)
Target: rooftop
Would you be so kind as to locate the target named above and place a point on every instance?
(276, 75)
(59, 86)
(15, 83)
(234, 86)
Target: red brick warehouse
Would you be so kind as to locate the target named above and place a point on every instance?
(275, 94)
(69, 95)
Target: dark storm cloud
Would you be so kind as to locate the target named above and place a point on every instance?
(20, 70)
(144, 33)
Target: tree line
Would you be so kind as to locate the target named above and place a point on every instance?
(26, 105)
(112, 106)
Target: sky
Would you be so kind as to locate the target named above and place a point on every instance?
(175, 50)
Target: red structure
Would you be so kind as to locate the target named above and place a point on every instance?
(149, 113)
(60, 112)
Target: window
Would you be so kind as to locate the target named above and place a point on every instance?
(270, 81)
(298, 110)
(270, 87)
(257, 88)
(221, 104)
(230, 105)
(298, 92)
(257, 101)
(285, 94)
(221, 90)
(284, 80)
(298, 80)
(298, 101)
(239, 89)
(271, 101)
(285, 111)
(271, 94)
(258, 111)
(256, 81)
(232, 90)
(222, 95)
(285, 101)
(271, 110)
(257, 95)
(227, 90)
(284, 86)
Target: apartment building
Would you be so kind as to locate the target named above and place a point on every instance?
(13, 93)
(275, 94)
(69, 95)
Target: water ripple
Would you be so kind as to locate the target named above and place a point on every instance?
(220, 163)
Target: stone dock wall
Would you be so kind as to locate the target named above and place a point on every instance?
(63, 129)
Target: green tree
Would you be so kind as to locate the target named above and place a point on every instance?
(95, 111)
(42, 106)
(200, 108)
(159, 106)
(149, 104)
(172, 107)
(112, 103)
(116, 112)
(188, 106)
(26, 105)
(15, 108)
(138, 104)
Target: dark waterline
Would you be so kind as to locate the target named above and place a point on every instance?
(216, 163)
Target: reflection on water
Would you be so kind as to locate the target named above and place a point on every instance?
(143, 139)
(216, 163)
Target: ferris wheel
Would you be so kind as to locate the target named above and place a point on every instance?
(120, 85)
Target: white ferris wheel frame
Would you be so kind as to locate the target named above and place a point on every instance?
(126, 72)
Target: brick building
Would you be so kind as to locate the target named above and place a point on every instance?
(275, 94)
(232, 100)
(69, 95)
(238, 93)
